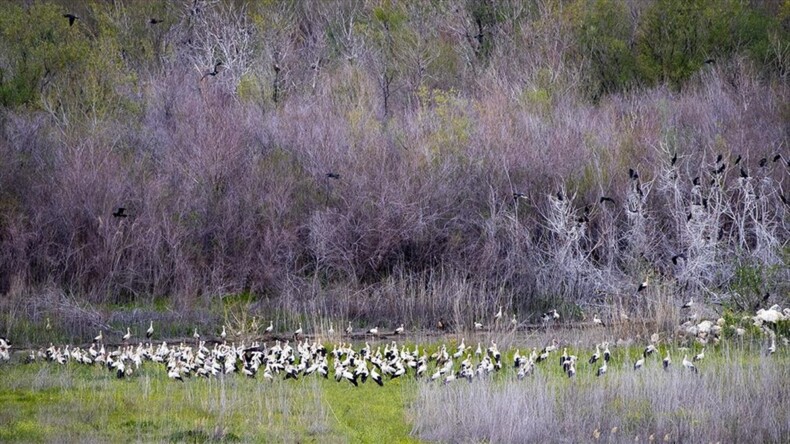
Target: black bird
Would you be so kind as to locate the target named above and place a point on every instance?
(674, 158)
(583, 219)
(688, 217)
(721, 233)
(333, 175)
(763, 161)
(633, 175)
(784, 199)
(705, 203)
(517, 196)
(642, 286)
(678, 256)
(743, 174)
(215, 71)
(718, 158)
(695, 181)
(606, 199)
(777, 157)
(559, 195)
(71, 18)
(154, 21)
(709, 61)
(738, 159)
(120, 212)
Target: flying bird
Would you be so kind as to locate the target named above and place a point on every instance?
(71, 18)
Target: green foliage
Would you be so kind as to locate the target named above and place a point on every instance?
(676, 37)
(604, 37)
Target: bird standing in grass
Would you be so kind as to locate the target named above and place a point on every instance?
(667, 361)
(99, 338)
(150, 331)
(270, 328)
(399, 330)
(598, 321)
(128, 335)
(196, 335)
(639, 363)
(349, 329)
(688, 364)
(602, 370)
(700, 356)
(298, 331)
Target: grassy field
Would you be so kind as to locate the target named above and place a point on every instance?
(735, 397)
(44, 402)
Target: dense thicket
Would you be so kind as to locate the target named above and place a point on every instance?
(216, 125)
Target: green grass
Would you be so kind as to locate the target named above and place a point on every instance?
(45, 402)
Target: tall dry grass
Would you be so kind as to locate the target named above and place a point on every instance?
(729, 401)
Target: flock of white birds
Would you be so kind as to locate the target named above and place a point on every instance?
(304, 357)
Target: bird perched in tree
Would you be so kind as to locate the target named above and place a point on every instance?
(214, 71)
(606, 199)
(678, 256)
(762, 162)
(120, 212)
(643, 285)
(517, 196)
(688, 304)
(154, 21)
(333, 175)
(71, 18)
(674, 158)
